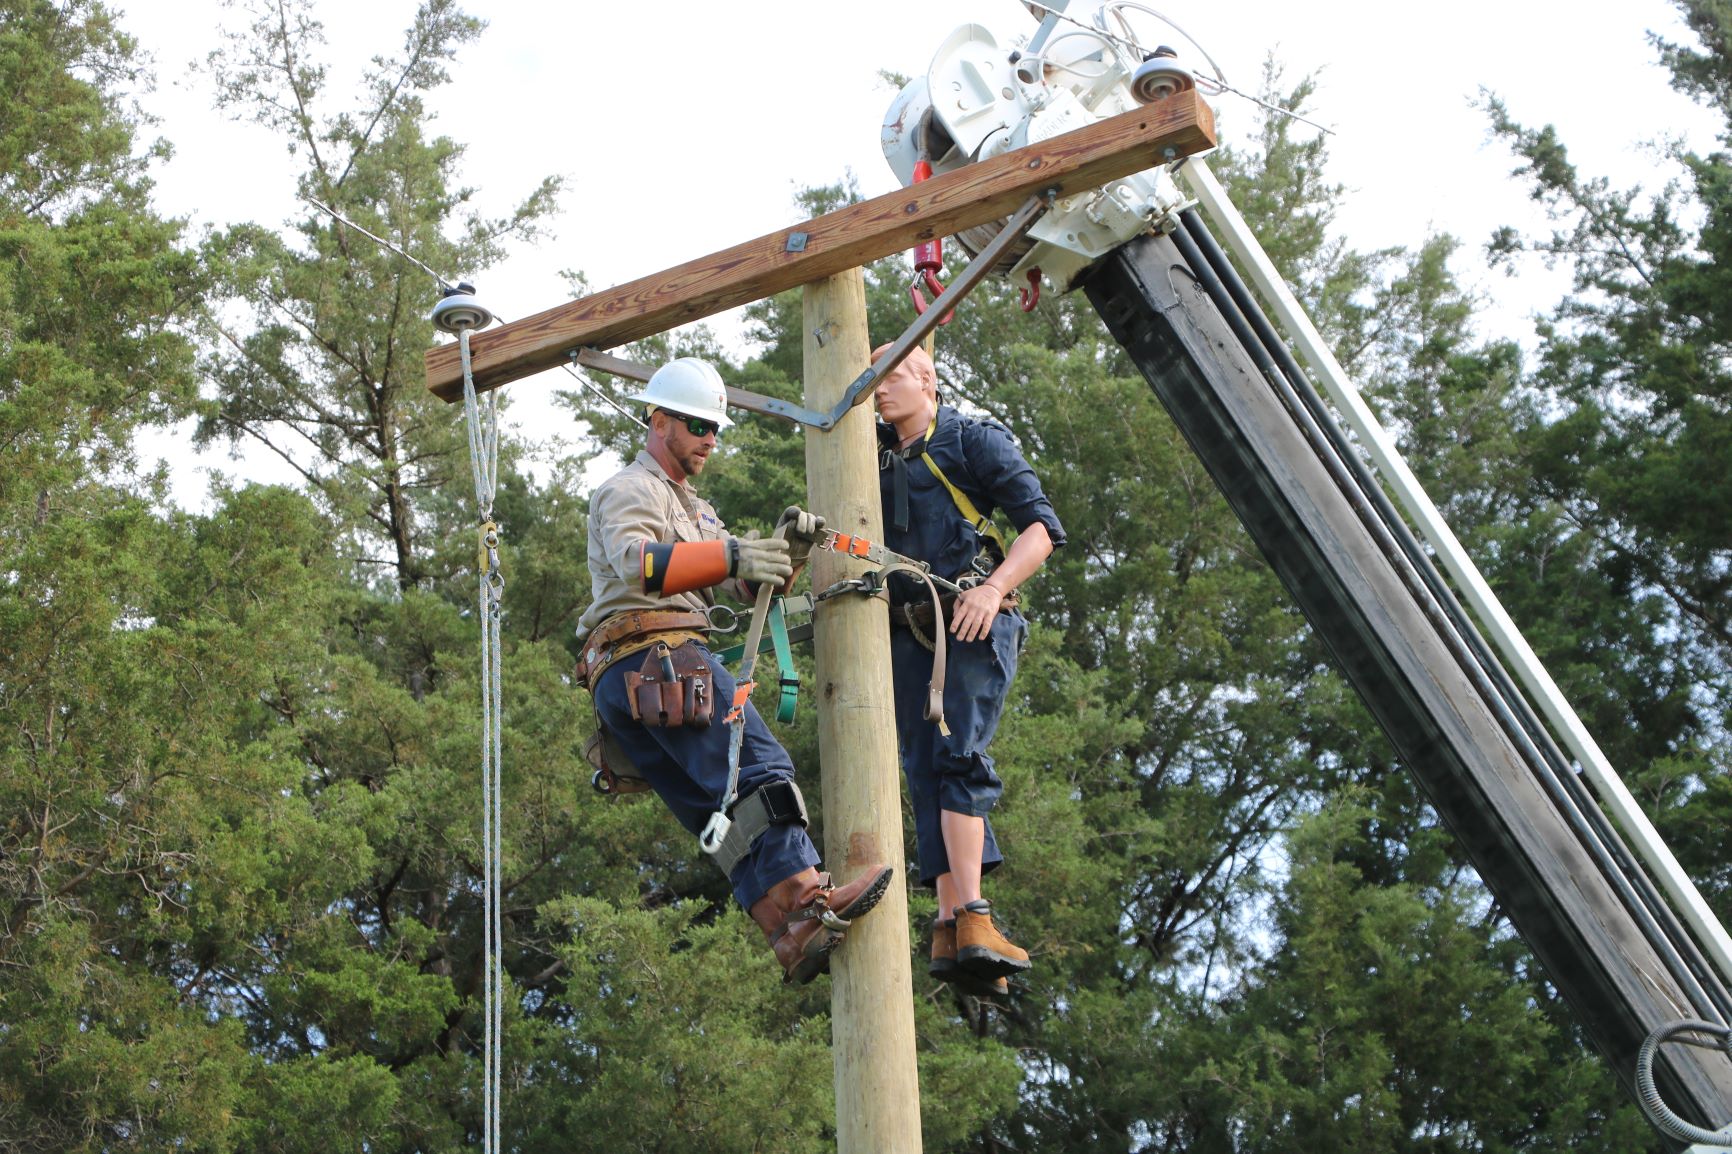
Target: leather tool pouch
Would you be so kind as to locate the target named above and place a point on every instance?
(674, 687)
(614, 772)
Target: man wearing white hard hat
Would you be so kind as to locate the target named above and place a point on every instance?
(657, 554)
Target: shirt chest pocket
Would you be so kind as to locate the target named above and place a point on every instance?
(703, 526)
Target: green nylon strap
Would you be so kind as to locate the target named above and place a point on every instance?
(789, 679)
(788, 676)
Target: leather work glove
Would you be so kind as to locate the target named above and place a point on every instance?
(759, 560)
(803, 531)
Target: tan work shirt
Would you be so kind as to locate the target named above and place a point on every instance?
(637, 504)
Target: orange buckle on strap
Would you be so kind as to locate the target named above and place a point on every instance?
(853, 546)
(742, 694)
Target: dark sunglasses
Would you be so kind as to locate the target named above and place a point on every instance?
(696, 426)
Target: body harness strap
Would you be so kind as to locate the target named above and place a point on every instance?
(970, 511)
(781, 641)
(872, 585)
(719, 832)
(982, 524)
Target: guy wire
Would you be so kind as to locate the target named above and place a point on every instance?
(445, 284)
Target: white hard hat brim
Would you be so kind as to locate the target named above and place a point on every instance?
(703, 413)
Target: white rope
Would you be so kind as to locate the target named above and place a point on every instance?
(484, 462)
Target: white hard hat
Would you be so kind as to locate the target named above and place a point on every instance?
(688, 386)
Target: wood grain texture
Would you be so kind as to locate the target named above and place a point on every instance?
(1181, 125)
(872, 994)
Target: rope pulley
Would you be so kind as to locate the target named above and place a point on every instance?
(928, 258)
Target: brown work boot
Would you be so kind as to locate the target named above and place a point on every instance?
(804, 917)
(944, 967)
(943, 964)
(980, 949)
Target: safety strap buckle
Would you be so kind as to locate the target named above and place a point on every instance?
(848, 544)
(727, 839)
(715, 832)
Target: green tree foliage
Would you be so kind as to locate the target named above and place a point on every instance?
(328, 375)
(239, 811)
(78, 240)
(95, 290)
(1629, 446)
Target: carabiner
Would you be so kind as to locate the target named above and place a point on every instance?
(715, 832)
(726, 611)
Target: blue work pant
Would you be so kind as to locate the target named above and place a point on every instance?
(953, 773)
(688, 768)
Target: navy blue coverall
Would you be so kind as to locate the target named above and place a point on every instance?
(921, 520)
(689, 769)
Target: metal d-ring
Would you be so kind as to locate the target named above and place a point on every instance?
(729, 611)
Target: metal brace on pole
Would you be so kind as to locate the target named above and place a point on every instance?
(1019, 223)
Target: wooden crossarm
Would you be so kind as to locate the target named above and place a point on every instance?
(1181, 125)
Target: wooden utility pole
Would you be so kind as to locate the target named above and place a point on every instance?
(872, 992)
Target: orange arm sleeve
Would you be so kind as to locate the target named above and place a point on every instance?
(684, 565)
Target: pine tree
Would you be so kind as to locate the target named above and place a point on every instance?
(1630, 445)
(328, 374)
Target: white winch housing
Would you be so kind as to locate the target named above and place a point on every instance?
(980, 99)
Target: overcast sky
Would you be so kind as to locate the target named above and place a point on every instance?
(685, 127)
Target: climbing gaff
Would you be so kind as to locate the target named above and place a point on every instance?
(928, 258)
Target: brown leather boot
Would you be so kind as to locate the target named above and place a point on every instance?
(980, 949)
(943, 964)
(944, 967)
(804, 917)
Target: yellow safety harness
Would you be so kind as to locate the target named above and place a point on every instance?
(982, 524)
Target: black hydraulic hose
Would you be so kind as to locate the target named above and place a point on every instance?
(1387, 537)
(1370, 487)
(1678, 938)
(1654, 1104)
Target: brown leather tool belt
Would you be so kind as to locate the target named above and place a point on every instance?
(917, 615)
(635, 629)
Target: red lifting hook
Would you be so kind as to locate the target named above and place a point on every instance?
(1031, 294)
(928, 259)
